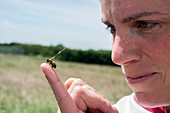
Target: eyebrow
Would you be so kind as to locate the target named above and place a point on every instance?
(134, 17)
(139, 15)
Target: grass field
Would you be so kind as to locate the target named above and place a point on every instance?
(24, 89)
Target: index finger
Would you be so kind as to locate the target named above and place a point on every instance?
(66, 103)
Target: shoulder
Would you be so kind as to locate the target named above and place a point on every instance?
(127, 104)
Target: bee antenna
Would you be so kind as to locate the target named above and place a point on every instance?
(58, 53)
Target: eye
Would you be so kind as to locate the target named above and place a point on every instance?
(146, 26)
(111, 29)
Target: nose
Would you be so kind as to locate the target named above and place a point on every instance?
(125, 50)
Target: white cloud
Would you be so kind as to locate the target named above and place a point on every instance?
(74, 23)
(76, 14)
(7, 24)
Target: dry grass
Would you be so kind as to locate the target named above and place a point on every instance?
(24, 89)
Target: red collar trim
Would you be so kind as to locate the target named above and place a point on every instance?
(152, 110)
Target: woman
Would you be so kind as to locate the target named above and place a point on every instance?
(141, 44)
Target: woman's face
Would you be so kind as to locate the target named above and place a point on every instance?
(141, 45)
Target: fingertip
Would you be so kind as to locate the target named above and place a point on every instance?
(69, 82)
(43, 64)
(45, 67)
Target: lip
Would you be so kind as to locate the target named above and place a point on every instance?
(140, 79)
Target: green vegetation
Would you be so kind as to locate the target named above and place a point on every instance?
(87, 56)
(24, 89)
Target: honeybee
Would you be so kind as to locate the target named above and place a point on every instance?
(51, 62)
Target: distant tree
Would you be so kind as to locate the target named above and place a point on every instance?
(74, 55)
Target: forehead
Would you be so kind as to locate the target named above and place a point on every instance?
(118, 9)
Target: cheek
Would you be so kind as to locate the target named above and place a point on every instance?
(157, 46)
(158, 51)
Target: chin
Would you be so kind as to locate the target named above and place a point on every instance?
(150, 101)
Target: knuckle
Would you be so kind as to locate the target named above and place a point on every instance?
(107, 103)
(78, 80)
(78, 90)
(85, 87)
(109, 106)
(69, 80)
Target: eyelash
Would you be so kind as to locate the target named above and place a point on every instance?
(142, 26)
(111, 29)
(145, 26)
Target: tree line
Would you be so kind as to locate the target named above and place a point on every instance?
(73, 55)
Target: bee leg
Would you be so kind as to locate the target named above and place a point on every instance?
(54, 65)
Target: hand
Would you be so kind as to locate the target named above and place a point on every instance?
(76, 96)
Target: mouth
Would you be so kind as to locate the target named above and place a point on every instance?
(140, 79)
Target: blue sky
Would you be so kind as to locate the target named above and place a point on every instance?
(74, 23)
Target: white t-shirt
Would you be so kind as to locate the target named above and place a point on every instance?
(128, 104)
